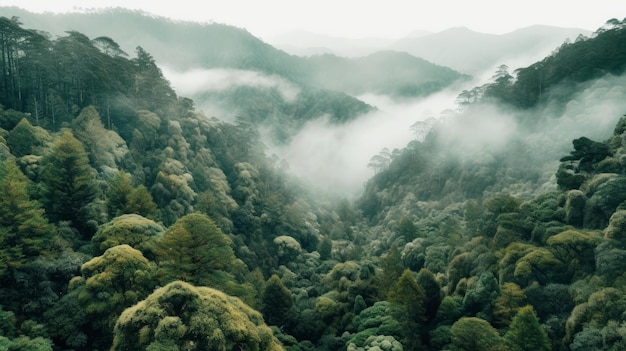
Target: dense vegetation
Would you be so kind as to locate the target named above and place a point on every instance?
(131, 221)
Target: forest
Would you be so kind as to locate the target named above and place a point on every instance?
(132, 221)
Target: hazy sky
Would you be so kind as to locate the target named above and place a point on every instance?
(358, 18)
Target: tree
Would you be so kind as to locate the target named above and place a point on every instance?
(411, 298)
(511, 299)
(118, 192)
(525, 332)
(140, 202)
(129, 229)
(481, 295)
(432, 291)
(180, 316)
(22, 138)
(277, 302)
(195, 250)
(472, 334)
(108, 284)
(68, 181)
(24, 231)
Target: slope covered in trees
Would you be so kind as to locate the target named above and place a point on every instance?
(131, 220)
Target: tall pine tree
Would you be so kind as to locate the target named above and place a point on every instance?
(68, 181)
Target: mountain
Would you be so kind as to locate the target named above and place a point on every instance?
(396, 74)
(472, 52)
(131, 220)
(303, 43)
(214, 48)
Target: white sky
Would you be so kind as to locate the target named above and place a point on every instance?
(362, 18)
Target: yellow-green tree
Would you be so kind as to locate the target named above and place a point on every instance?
(108, 284)
(24, 231)
(129, 229)
(195, 250)
(180, 316)
(473, 334)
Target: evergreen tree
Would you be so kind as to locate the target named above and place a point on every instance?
(118, 192)
(68, 181)
(22, 139)
(526, 333)
(410, 297)
(194, 249)
(277, 301)
(118, 279)
(24, 231)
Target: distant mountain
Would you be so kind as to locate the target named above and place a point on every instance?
(184, 45)
(172, 43)
(392, 73)
(303, 43)
(472, 52)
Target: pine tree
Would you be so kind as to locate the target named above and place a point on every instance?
(410, 296)
(68, 181)
(277, 302)
(24, 231)
(194, 249)
(526, 333)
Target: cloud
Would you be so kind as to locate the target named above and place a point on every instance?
(334, 157)
(199, 80)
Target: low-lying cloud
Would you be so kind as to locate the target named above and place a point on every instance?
(335, 157)
(200, 80)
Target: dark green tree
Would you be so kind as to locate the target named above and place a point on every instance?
(411, 299)
(68, 181)
(277, 302)
(525, 332)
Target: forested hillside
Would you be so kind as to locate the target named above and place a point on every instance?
(132, 221)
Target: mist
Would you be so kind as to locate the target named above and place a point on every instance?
(199, 80)
(334, 157)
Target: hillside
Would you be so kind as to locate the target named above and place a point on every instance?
(396, 74)
(131, 220)
(321, 90)
(471, 52)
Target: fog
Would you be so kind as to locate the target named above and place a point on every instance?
(200, 80)
(335, 157)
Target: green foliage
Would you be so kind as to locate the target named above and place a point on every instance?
(24, 231)
(130, 229)
(24, 343)
(471, 333)
(525, 332)
(432, 292)
(377, 320)
(277, 302)
(195, 250)
(507, 305)
(480, 296)
(118, 279)
(181, 316)
(68, 181)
